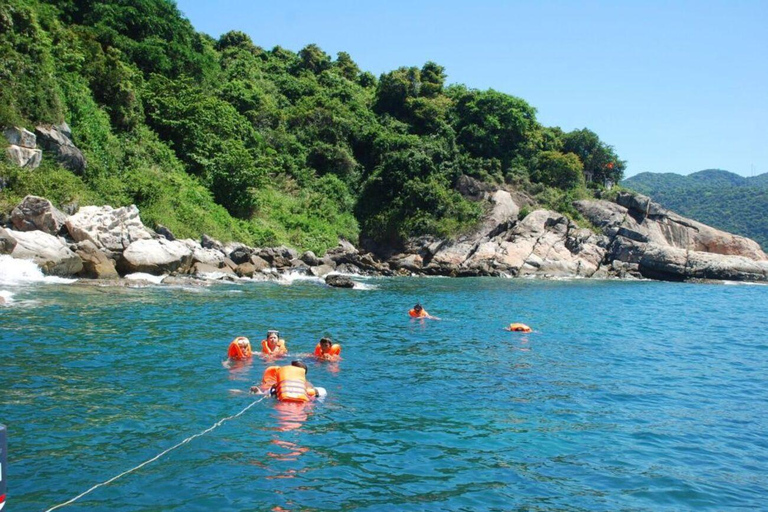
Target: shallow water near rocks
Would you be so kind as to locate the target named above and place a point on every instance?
(628, 396)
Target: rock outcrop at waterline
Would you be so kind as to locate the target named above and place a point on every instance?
(660, 244)
(637, 238)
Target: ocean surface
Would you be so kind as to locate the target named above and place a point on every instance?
(642, 396)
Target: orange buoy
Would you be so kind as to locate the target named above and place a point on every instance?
(519, 328)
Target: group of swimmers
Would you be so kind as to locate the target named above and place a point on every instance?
(273, 346)
(289, 383)
(286, 383)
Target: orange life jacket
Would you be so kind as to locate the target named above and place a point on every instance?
(292, 384)
(519, 328)
(419, 314)
(237, 352)
(270, 377)
(335, 350)
(279, 347)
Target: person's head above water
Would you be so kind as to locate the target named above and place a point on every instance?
(273, 334)
(243, 341)
(299, 364)
(417, 307)
(325, 343)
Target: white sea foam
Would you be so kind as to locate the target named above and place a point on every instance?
(7, 296)
(214, 276)
(291, 277)
(15, 272)
(743, 283)
(141, 276)
(365, 286)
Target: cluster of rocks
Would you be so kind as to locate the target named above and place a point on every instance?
(57, 139)
(631, 237)
(102, 242)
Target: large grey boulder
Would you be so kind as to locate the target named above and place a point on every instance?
(111, 230)
(48, 252)
(155, 257)
(20, 137)
(37, 213)
(27, 158)
(200, 254)
(22, 150)
(57, 139)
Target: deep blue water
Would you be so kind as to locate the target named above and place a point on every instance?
(628, 396)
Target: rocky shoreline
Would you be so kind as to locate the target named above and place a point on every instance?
(636, 238)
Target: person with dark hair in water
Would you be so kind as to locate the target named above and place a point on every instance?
(327, 350)
(419, 312)
(273, 345)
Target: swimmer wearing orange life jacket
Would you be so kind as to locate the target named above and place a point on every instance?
(518, 328)
(287, 383)
(419, 312)
(273, 345)
(240, 349)
(326, 350)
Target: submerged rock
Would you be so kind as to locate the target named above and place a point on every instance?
(339, 281)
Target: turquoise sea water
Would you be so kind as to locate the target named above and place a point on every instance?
(628, 396)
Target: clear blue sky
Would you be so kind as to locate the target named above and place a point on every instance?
(673, 86)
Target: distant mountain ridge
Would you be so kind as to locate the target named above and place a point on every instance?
(716, 197)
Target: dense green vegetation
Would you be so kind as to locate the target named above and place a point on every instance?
(266, 146)
(718, 198)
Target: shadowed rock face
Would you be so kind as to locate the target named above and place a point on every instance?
(37, 213)
(57, 139)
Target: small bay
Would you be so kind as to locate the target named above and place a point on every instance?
(628, 395)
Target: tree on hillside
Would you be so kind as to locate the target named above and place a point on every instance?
(600, 161)
(559, 170)
(346, 66)
(494, 125)
(313, 59)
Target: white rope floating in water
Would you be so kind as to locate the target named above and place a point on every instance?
(190, 438)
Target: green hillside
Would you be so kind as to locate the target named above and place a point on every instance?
(266, 146)
(715, 197)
